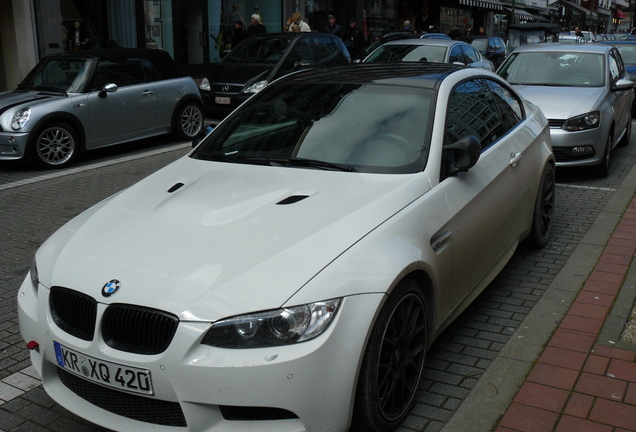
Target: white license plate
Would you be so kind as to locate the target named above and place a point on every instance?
(110, 374)
(222, 100)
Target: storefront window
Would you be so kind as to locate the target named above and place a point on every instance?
(158, 25)
(80, 25)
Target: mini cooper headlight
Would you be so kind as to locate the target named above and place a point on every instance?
(205, 84)
(20, 118)
(590, 120)
(256, 87)
(284, 326)
(35, 277)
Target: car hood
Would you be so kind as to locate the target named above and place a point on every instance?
(239, 73)
(562, 102)
(223, 243)
(17, 97)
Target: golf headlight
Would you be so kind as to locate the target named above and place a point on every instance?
(205, 84)
(586, 121)
(284, 326)
(256, 87)
(33, 273)
(20, 118)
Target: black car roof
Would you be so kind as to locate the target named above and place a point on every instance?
(425, 75)
(159, 58)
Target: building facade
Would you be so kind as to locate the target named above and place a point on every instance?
(198, 32)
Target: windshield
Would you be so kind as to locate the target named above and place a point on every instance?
(58, 74)
(408, 53)
(628, 53)
(480, 44)
(564, 69)
(365, 128)
(260, 50)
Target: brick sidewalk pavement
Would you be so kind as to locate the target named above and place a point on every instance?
(581, 382)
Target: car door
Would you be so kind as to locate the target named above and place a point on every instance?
(124, 114)
(621, 99)
(491, 202)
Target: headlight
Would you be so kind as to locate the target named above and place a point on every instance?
(256, 87)
(205, 84)
(35, 277)
(20, 118)
(284, 326)
(586, 121)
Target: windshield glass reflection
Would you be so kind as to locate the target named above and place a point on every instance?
(367, 128)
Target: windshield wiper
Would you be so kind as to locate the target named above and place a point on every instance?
(303, 162)
(216, 157)
(48, 88)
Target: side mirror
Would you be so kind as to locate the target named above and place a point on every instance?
(301, 64)
(623, 84)
(108, 88)
(461, 155)
(201, 135)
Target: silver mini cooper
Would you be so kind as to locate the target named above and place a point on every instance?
(85, 100)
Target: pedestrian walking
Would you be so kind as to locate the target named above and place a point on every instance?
(333, 28)
(256, 27)
(353, 38)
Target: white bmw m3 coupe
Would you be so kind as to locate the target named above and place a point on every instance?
(290, 273)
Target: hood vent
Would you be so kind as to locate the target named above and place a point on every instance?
(175, 187)
(293, 199)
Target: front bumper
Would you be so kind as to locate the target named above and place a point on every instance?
(13, 145)
(581, 148)
(308, 386)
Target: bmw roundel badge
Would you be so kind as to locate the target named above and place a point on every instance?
(110, 288)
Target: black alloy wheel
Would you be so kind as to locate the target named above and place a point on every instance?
(393, 361)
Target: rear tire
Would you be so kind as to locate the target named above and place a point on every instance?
(543, 216)
(188, 121)
(55, 146)
(393, 361)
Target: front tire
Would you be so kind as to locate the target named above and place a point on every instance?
(188, 121)
(543, 215)
(393, 361)
(55, 146)
(624, 142)
(603, 168)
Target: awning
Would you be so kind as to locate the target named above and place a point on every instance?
(522, 15)
(540, 18)
(580, 9)
(619, 14)
(484, 4)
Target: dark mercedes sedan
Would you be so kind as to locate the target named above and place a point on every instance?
(259, 60)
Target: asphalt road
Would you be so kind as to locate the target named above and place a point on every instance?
(34, 203)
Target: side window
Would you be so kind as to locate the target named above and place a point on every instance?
(472, 110)
(325, 48)
(510, 107)
(456, 54)
(123, 72)
(151, 72)
(617, 69)
(470, 54)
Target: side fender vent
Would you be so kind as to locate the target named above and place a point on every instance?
(293, 199)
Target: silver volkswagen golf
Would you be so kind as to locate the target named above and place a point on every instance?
(73, 102)
(584, 91)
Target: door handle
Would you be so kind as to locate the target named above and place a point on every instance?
(147, 93)
(439, 240)
(515, 158)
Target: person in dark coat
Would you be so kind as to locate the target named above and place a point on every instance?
(353, 38)
(256, 27)
(333, 28)
(238, 33)
(455, 33)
